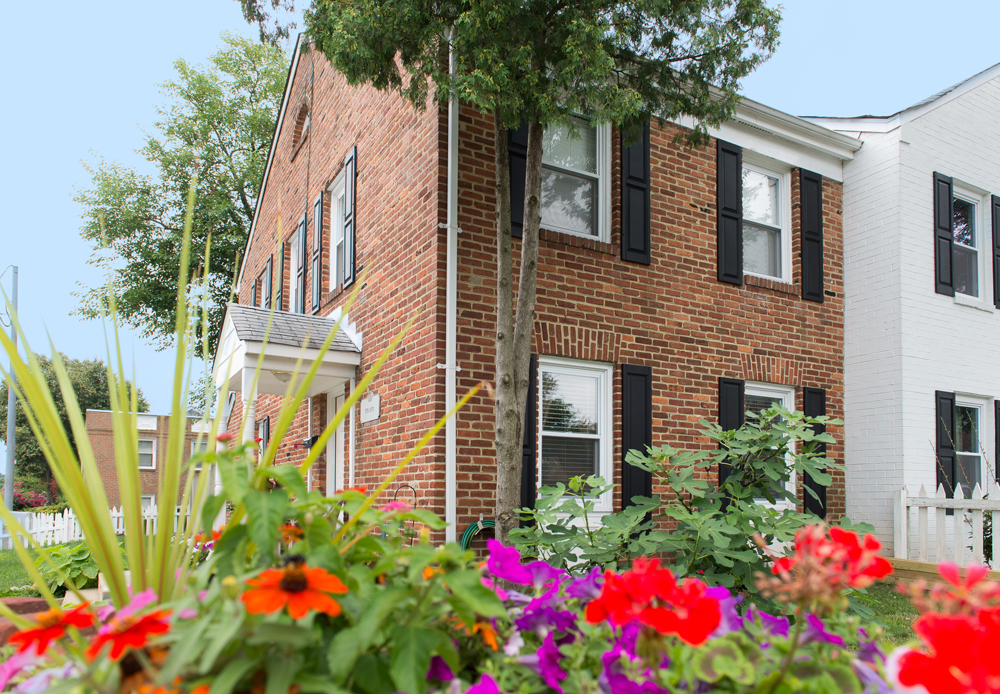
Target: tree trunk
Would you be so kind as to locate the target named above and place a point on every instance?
(514, 322)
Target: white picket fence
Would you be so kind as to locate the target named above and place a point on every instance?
(962, 530)
(55, 528)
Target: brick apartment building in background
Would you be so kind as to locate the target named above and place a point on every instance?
(675, 285)
(153, 431)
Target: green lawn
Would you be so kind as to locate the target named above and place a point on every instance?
(12, 575)
(893, 611)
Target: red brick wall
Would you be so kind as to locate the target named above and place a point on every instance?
(99, 430)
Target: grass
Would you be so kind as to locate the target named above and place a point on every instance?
(13, 575)
(893, 611)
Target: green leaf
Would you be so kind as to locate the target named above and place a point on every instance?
(380, 606)
(318, 533)
(467, 588)
(343, 653)
(372, 674)
(235, 478)
(290, 477)
(221, 636)
(316, 684)
(281, 673)
(722, 658)
(411, 649)
(282, 634)
(231, 675)
(210, 510)
(431, 520)
(227, 552)
(265, 514)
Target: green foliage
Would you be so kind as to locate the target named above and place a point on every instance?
(706, 530)
(89, 380)
(69, 564)
(219, 121)
(14, 580)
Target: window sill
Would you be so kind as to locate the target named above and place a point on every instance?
(773, 285)
(973, 302)
(575, 241)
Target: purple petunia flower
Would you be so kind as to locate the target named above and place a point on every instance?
(731, 620)
(495, 587)
(542, 573)
(439, 670)
(869, 651)
(870, 680)
(588, 587)
(777, 626)
(486, 685)
(43, 681)
(548, 662)
(614, 680)
(816, 632)
(514, 644)
(505, 563)
(541, 618)
(18, 662)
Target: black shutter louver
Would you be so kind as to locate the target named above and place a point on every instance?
(814, 405)
(995, 205)
(350, 216)
(528, 451)
(279, 294)
(637, 429)
(944, 236)
(517, 154)
(729, 201)
(945, 449)
(731, 412)
(266, 289)
(317, 253)
(636, 189)
(300, 271)
(253, 293)
(811, 216)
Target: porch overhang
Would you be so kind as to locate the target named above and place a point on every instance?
(285, 346)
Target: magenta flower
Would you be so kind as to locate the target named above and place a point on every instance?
(439, 670)
(614, 680)
(731, 620)
(548, 662)
(505, 563)
(486, 685)
(395, 507)
(542, 618)
(492, 585)
(542, 573)
(777, 626)
(588, 587)
(16, 663)
(816, 632)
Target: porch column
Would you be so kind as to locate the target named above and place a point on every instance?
(249, 393)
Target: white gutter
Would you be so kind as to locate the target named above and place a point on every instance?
(450, 321)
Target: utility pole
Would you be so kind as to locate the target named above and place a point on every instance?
(8, 479)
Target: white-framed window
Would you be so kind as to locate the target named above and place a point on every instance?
(148, 500)
(767, 204)
(265, 286)
(338, 248)
(968, 444)
(196, 448)
(575, 430)
(147, 454)
(576, 179)
(966, 227)
(296, 300)
(761, 396)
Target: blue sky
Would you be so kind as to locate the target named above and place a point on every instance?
(81, 82)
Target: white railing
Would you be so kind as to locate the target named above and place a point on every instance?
(56, 528)
(961, 531)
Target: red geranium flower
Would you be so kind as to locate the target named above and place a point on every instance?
(299, 587)
(129, 632)
(844, 557)
(961, 657)
(652, 596)
(51, 627)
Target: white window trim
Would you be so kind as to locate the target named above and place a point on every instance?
(980, 199)
(770, 167)
(335, 229)
(152, 501)
(603, 187)
(153, 441)
(293, 285)
(195, 451)
(787, 397)
(603, 504)
(984, 440)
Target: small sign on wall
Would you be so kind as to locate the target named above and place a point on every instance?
(371, 408)
(145, 422)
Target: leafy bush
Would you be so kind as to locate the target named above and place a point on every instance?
(71, 563)
(25, 499)
(53, 508)
(706, 530)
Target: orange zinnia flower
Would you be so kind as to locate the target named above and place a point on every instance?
(297, 586)
(290, 533)
(51, 627)
(129, 632)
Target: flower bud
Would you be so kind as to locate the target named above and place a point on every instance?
(425, 535)
(230, 588)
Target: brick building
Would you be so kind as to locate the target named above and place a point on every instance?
(153, 431)
(723, 293)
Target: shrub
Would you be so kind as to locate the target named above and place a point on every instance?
(70, 565)
(25, 499)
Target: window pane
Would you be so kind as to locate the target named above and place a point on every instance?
(147, 501)
(568, 202)
(966, 429)
(563, 458)
(760, 198)
(145, 446)
(969, 474)
(965, 267)
(569, 403)
(964, 221)
(577, 151)
(761, 250)
(759, 403)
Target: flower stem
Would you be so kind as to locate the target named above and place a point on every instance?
(791, 653)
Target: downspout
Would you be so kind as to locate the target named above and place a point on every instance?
(451, 311)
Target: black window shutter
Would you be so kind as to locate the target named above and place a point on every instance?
(814, 405)
(732, 411)
(529, 448)
(253, 293)
(945, 450)
(811, 198)
(317, 253)
(517, 154)
(636, 186)
(729, 201)
(350, 215)
(266, 289)
(300, 271)
(995, 205)
(637, 429)
(279, 294)
(944, 236)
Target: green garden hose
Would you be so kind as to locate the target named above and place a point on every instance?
(474, 529)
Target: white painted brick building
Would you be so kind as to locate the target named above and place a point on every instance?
(921, 326)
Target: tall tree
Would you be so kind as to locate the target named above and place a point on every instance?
(89, 378)
(539, 62)
(220, 120)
